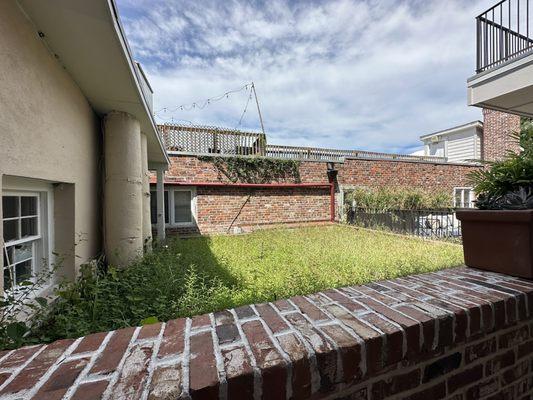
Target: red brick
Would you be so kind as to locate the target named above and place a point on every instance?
(350, 351)
(394, 338)
(301, 368)
(516, 372)
(133, 376)
(173, 338)
(479, 350)
(344, 301)
(482, 389)
(500, 362)
(313, 312)
(239, 373)
(37, 367)
(325, 353)
(166, 383)
(200, 321)
(61, 380)
(113, 352)
(514, 337)
(149, 331)
(91, 390)
(395, 384)
(464, 378)
(203, 373)
(410, 326)
(271, 317)
(372, 338)
(270, 362)
(90, 343)
(19, 357)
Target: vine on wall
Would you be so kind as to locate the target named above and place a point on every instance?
(255, 169)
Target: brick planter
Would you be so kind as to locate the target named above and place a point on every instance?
(455, 334)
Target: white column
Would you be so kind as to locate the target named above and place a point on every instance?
(146, 217)
(160, 188)
(123, 237)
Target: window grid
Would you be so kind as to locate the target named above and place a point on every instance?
(17, 270)
(177, 213)
(463, 197)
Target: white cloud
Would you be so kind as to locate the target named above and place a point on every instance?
(350, 74)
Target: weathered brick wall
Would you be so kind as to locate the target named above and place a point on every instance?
(425, 176)
(457, 334)
(496, 142)
(234, 209)
(223, 209)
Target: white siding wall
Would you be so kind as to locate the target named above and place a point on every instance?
(461, 146)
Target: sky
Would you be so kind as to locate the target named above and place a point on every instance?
(350, 74)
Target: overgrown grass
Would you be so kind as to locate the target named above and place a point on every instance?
(206, 274)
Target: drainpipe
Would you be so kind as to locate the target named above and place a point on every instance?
(332, 177)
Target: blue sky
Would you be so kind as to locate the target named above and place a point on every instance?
(373, 74)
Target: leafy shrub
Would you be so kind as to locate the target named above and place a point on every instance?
(386, 199)
(508, 184)
(207, 274)
(18, 311)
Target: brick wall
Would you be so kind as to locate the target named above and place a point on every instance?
(497, 126)
(224, 209)
(384, 173)
(233, 209)
(457, 334)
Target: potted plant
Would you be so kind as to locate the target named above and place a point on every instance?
(498, 236)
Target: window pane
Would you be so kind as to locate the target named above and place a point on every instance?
(29, 227)
(182, 206)
(23, 271)
(153, 207)
(22, 252)
(10, 206)
(7, 278)
(11, 230)
(28, 205)
(458, 198)
(8, 257)
(167, 209)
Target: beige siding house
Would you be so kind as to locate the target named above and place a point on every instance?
(76, 139)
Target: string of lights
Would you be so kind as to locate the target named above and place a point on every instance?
(245, 108)
(201, 104)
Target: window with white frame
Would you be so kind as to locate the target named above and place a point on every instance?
(180, 206)
(463, 197)
(22, 233)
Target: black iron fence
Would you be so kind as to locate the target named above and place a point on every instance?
(503, 33)
(430, 224)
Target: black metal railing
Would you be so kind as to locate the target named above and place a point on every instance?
(503, 33)
(430, 224)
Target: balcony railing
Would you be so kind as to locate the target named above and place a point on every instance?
(205, 140)
(503, 33)
(212, 140)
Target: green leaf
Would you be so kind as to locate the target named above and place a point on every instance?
(41, 301)
(26, 283)
(149, 321)
(16, 330)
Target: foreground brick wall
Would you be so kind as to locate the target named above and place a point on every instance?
(497, 126)
(457, 334)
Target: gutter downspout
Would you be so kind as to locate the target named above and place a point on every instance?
(332, 177)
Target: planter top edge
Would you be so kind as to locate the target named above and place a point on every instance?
(495, 215)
